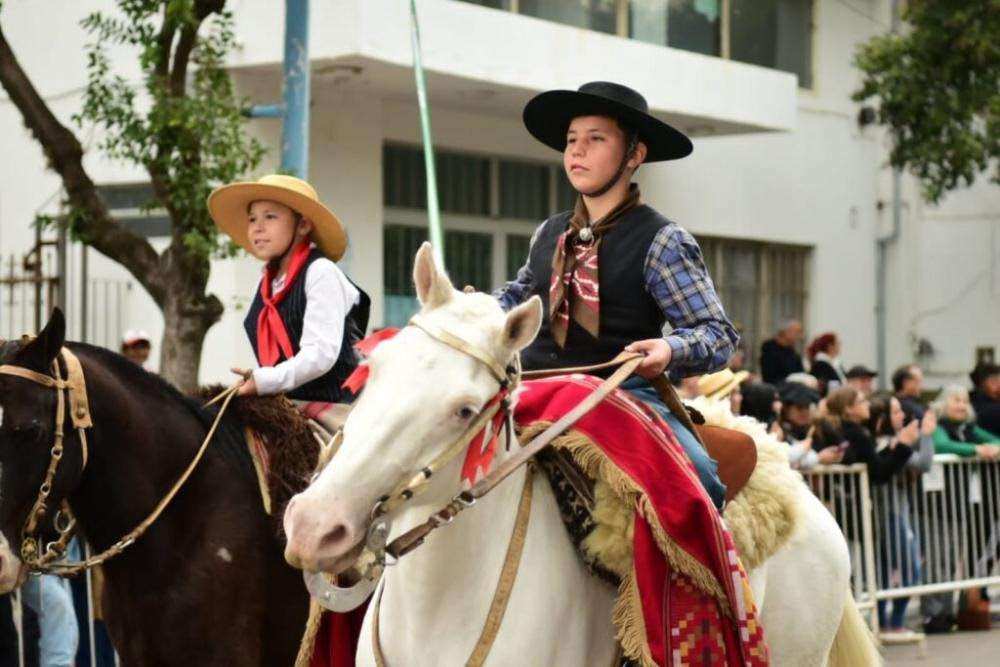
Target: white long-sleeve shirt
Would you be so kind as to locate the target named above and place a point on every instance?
(329, 297)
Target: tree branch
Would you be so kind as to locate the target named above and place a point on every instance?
(189, 38)
(65, 156)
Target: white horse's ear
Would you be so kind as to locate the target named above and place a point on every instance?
(433, 286)
(522, 325)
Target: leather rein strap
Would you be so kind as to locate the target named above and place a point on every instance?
(501, 596)
(413, 538)
(75, 387)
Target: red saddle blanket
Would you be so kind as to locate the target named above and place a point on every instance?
(687, 581)
(687, 599)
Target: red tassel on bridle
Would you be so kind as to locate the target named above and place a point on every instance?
(356, 381)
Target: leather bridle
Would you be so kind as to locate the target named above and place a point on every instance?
(34, 552)
(377, 553)
(73, 390)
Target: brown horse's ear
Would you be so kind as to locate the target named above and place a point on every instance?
(40, 353)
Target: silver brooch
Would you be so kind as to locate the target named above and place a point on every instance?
(586, 235)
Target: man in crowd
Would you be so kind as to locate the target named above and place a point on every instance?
(908, 385)
(862, 379)
(136, 346)
(985, 396)
(779, 357)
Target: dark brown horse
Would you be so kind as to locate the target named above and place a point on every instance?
(207, 583)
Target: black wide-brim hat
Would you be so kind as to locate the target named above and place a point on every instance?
(548, 115)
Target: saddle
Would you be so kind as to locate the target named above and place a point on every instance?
(735, 452)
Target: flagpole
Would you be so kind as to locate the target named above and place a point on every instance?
(433, 211)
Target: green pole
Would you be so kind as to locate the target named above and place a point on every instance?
(433, 211)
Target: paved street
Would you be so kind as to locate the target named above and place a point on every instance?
(978, 649)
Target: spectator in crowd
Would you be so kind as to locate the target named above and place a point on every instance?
(957, 432)
(778, 356)
(761, 401)
(136, 346)
(804, 379)
(824, 362)
(9, 654)
(908, 385)
(723, 384)
(50, 598)
(985, 397)
(798, 408)
(687, 388)
(899, 549)
(862, 378)
(847, 417)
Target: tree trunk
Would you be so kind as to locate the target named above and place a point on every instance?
(186, 320)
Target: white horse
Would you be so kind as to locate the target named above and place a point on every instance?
(422, 395)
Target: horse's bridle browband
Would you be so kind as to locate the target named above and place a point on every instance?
(74, 385)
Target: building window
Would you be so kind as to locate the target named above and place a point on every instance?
(463, 180)
(760, 285)
(490, 208)
(770, 33)
(692, 25)
(133, 205)
(599, 15)
(517, 253)
(773, 33)
(468, 256)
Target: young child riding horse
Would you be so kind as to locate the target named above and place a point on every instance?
(613, 271)
(306, 313)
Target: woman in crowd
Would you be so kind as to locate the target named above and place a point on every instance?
(760, 401)
(844, 425)
(957, 432)
(899, 548)
(824, 362)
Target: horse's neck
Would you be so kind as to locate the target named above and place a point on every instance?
(137, 449)
(453, 575)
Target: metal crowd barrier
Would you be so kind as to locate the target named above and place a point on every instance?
(918, 534)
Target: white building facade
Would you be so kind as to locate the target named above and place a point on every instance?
(785, 190)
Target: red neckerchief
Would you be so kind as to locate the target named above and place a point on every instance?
(482, 448)
(272, 336)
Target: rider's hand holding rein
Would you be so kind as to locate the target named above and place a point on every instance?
(248, 387)
(658, 354)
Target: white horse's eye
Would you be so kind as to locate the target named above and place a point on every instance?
(466, 413)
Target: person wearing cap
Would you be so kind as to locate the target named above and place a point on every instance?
(613, 272)
(862, 378)
(136, 346)
(306, 314)
(798, 411)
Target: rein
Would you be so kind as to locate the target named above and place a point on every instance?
(75, 388)
(341, 599)
(509, 378)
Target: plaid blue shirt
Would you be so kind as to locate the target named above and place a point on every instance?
(702, 337)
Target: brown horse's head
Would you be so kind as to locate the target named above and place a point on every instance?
(27, 435)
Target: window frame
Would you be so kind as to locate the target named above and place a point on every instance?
(623, 29)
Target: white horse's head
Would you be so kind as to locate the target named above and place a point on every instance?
(420, 397)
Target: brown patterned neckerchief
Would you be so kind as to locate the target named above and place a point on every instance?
(574, 292)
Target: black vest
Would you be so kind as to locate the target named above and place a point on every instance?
(292, 309)
(628, 312)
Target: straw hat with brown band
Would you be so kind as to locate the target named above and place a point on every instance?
(229, 204)
(721, 384)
